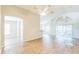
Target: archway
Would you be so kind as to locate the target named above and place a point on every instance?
(68, 22)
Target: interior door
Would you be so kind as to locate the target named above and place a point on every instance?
(13, 39)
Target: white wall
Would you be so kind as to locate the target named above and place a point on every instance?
(31, 26)
(0, 29)
(75, 31)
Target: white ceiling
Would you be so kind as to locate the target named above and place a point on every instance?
(36, 8)
(50, 8)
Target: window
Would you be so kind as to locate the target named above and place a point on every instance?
(64, 30)
(45, 25)
(7, 29)
(64, 34)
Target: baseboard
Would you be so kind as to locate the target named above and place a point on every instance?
(32, 39)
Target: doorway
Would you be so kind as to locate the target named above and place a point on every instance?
(13, 34)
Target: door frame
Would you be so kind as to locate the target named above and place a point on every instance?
(2, 31)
